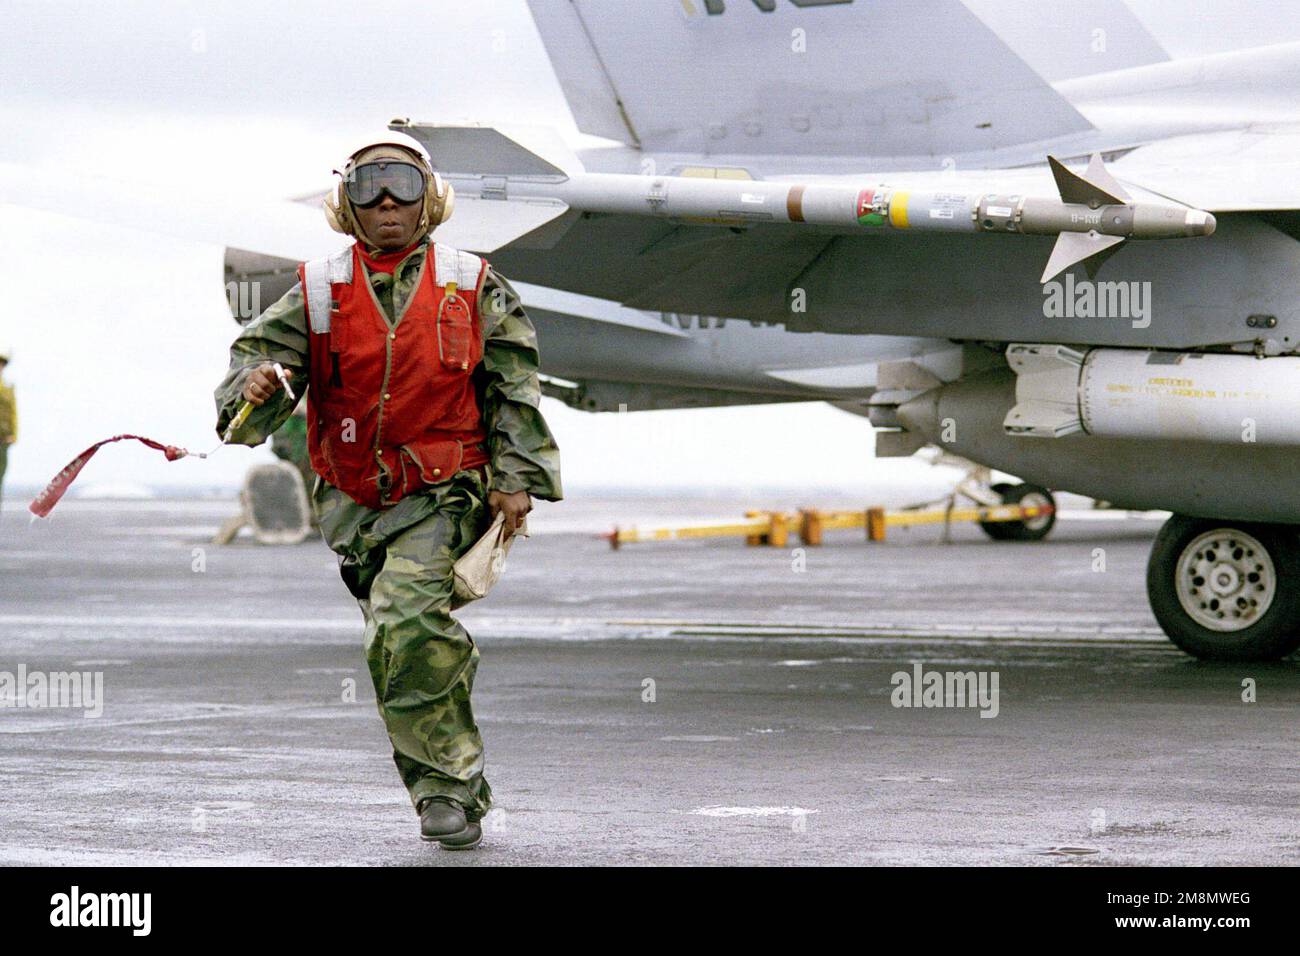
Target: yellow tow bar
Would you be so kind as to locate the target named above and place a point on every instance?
(773, 528)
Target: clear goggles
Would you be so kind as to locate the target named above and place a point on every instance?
(366, 184)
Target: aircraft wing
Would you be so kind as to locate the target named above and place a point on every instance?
(718, 235)
(283, 228)
(1247, 170)
(280, 229)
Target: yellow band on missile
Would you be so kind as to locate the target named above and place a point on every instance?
(898, 210)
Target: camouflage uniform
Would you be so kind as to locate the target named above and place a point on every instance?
(8, 428)
(397, 561)
(289, 443)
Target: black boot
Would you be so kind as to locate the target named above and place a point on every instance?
(443, 820)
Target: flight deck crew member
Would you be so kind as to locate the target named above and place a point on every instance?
(424, 423)
(8, 418)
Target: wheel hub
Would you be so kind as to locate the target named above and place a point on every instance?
(1035, 500)
(1225, 580)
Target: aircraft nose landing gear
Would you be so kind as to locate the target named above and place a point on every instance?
(1227, 590)
(1031, 529)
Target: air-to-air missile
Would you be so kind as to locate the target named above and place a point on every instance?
(1091, 217)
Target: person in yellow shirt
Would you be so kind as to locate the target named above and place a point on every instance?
(8, 417)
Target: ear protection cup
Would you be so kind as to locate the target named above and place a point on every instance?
(337, 211)
(439, 198)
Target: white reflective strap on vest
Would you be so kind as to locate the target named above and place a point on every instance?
(452, 265)
(319, 275)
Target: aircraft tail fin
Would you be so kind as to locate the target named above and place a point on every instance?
(1064, 39)
(885, 78)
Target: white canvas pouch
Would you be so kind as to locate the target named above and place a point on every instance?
(478, 569)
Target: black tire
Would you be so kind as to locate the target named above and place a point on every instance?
(1034, 530)
(1265, 634)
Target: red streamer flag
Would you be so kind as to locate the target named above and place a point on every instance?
(44, 503)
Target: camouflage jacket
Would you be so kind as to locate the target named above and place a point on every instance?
(524, 455)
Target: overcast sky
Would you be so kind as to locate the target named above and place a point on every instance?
(116, 329)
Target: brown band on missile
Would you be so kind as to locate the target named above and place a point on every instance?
(794, 203)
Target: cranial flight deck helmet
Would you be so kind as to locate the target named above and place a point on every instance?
(400, 170)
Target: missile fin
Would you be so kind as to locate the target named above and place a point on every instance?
(1096, 187)
(1099, 175)
(1092, 264)
(1047, 383)
(1090, 248)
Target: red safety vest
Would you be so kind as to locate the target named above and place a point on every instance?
(393, 409)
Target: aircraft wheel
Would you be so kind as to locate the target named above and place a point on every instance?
(1227, 590)
(1031, 529)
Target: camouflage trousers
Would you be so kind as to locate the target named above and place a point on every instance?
(398, 564)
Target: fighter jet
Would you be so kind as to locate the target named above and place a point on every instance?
(1090, 282)
(1037, 243)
